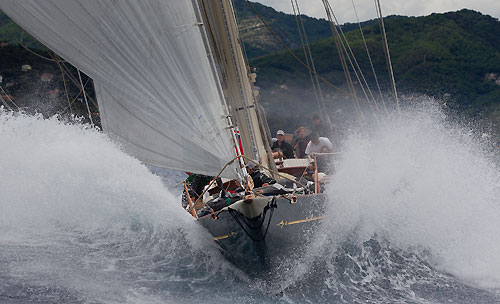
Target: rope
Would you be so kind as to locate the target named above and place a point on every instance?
(291, 52)
(388, 55)
(54, 55)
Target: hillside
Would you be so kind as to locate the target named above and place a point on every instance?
(259, 41)
(441, 55)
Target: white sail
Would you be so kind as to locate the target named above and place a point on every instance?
(156, 86)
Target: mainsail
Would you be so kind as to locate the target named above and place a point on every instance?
(154, 76)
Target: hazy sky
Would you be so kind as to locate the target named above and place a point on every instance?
(366, 8)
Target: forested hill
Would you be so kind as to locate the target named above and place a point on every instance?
(455, 55)
(259, 41)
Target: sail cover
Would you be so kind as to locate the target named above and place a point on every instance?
(154, 79)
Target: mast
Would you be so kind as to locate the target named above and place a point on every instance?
(236, 79)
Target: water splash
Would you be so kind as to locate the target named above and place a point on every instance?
(413, 206)
(424, 184)
(82, 221)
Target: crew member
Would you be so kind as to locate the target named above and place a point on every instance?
(300, 144)
(319, 127)
(318, 144)
(285, 148)
(259, 178)
(195, 184)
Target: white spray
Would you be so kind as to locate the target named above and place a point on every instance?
(424, 184)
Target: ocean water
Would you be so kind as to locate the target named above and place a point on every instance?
(413, 217)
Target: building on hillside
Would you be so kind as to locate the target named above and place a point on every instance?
(25, 67)
(46, 77)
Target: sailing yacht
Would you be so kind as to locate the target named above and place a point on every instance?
(174, 89)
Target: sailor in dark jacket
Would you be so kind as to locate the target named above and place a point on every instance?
(281, 144)
(259, 178)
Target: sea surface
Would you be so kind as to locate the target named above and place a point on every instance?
(413, 217)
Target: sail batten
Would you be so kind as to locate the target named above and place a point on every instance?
(155, 83)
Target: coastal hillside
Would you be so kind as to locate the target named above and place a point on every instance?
(259, 41)
(453, 56)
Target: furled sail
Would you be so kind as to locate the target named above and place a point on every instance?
(155, 82)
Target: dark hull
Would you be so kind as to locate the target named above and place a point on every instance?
(289, 232)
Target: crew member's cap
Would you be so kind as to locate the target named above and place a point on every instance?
(252, 165)
(280, 132)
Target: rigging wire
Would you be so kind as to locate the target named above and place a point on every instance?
(388, 55)
(291, 52)
(76, 83)
(76, 97)
(369, 56)
(338, 42)
(85, 97)
(54, 55)
(5, 103)
(20, 42)
(64, 71)
(357, 72)
(8, 98)
(310, 63)
(61, 63)
(306, 56)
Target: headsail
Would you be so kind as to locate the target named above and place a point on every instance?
(156, 85)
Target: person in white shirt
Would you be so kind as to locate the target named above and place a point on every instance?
(318, 144)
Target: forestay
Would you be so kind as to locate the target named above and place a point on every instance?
(154, 79)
